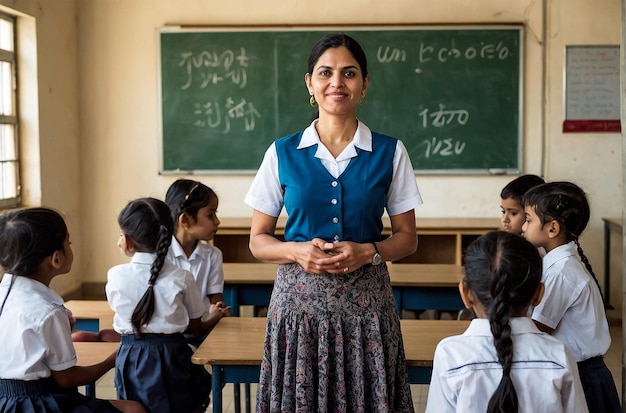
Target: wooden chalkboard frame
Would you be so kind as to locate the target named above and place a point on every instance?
(514, 167)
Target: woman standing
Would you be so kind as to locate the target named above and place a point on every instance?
(333, 340)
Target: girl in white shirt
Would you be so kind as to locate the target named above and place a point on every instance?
(502, 362)
(38, 371)
(155, 302)
(573, 309)
(194, 212)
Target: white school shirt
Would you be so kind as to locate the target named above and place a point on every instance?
(466, 371)
(266, 195)
(35, 332)
(176, 296)
(204, 263)
(572, 304)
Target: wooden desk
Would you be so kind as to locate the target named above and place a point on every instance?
(441, 240)
(240, 360)
(610, 225)
(89, 353)
(91, 315)
(415, 286)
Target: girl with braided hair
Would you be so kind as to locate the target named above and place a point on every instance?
(502, 362)
(155, 302)
(573, 309)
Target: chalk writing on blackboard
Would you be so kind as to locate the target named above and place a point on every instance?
(452, 95)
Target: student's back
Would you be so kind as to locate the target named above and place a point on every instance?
(467, 368)
(502, 362)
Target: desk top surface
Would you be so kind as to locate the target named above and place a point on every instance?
(614, 221)
(239, 340)
(401, 275)
(238, 223)
(89, 308)
(89, 353)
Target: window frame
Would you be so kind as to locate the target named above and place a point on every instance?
(13, 120)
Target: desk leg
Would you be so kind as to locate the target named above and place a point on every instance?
(237, 397)
(247, 390)
(90, 389)
(217, 388)
(607, 266)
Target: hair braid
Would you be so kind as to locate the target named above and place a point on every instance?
(504, 399)
(585, 261)
(503, 272)
(147, 222)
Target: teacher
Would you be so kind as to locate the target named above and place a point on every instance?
(333, 341)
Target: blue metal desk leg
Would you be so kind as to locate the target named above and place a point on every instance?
(217, 373)
(237, 397)
(247, 390)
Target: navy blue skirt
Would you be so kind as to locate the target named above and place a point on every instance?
(600, 391)
(156, 369)
(46, 396)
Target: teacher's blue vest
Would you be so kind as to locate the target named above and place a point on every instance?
(347, 208)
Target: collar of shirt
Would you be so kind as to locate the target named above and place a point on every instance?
(557, 254)
(143, 258)
(32, 286)
(519, 325)
(362, 139)
(179, 253)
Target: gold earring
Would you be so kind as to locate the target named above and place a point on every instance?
(312, 101)
(362, 100)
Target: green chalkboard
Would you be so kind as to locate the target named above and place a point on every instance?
(451, 94)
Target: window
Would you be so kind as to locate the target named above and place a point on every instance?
(9, 150)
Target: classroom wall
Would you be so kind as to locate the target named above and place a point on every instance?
(107, 119)
(49, 107)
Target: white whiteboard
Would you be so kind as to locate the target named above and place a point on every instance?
(592, 83)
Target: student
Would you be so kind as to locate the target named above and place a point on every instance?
(155, 302)
(511, 202)
(572, 309)
(38, 371)
(193, 206)
(502, 362)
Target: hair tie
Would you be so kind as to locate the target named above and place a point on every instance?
(150, 285)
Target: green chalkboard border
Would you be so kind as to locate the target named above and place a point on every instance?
(514, 166)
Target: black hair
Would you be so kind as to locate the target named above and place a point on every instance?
(519, 186)
(503, 271)
(333, 40)
(185, 196)
(147, 222)
(566, 203)
(27, 237)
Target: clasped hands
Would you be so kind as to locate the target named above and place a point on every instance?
(330, 257)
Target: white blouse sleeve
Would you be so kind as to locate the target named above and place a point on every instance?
(265, 193)
(403, 192)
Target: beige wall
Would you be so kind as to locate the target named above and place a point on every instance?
(106, 127)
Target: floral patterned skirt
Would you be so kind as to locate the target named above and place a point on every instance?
(333, 344)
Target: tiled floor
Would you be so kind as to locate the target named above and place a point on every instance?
(105, 389)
